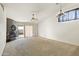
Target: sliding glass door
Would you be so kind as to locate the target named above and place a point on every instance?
(25, 31)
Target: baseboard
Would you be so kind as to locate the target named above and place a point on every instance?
(59, 41)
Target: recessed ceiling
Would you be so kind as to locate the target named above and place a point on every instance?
(23, 11)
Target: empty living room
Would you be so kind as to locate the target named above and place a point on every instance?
(39, 29)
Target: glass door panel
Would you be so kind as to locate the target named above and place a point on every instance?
(21, 31)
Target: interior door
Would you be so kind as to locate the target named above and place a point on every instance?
(28, 31)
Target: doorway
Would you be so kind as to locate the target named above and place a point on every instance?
(20, 31)
(25, 31)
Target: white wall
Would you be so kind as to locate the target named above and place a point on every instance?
(61, 31)
(2, 30)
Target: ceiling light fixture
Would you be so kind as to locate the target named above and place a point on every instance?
(60, 11)
(34, 16)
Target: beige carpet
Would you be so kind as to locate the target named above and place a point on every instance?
(38, 46)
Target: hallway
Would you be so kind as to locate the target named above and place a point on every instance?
(38, 46)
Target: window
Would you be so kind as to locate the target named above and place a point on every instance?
(60, 18)
(72, 15)
(65, 18)
(69, 15)
(77, 13)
